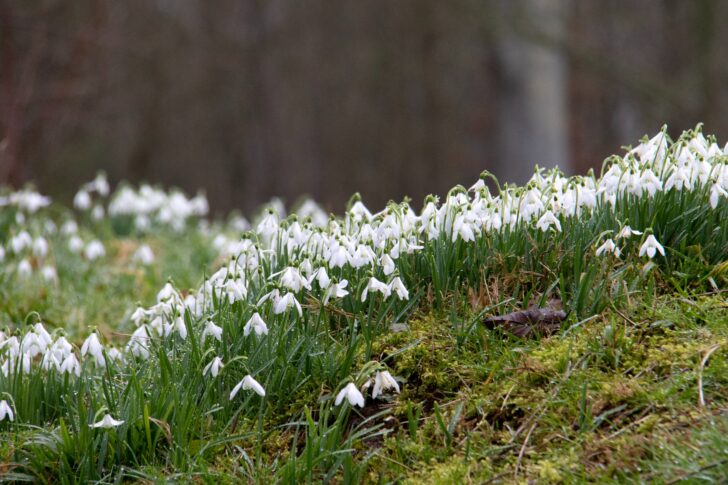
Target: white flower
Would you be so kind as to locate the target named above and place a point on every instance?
(283, 303)
(213, 367)
(82, 201)
(716, 192)
(651, 246)
(398, 287)
(115, 355)
(40, 247)
(462, 228)
(256, 324)
(107, 422)
(383, 381)
(167, 292)
(294, 280)
(627, 232)
(387, 264)
(144, 255)
(69, 227)
(70, 365)
(93, 347)
(547, 220)
(6, 411)
(248, 383)
(608, 247)
(650, 182)
(323, 278)
(24, 269)
(50, 361)
(97, 213)
(49, 273)
(336, 290)
(375, 285)
(212, 330)
(180, 327)
(352, 394)
(137, 344)
(94, 250)
(75, 244)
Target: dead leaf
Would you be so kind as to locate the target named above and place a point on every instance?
(531, 322)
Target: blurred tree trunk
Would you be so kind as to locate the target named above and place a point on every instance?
(533, 111)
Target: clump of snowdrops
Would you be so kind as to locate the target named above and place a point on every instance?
(281, 333)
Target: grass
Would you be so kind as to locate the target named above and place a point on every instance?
(633, 387)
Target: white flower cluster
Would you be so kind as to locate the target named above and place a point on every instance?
(149, 205)
(52, 353)
(281, 261)
(28, 201)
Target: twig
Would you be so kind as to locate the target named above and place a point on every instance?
(523, 450)
(701, 397)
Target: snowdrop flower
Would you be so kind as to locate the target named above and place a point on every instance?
(375, 285)
(70, 365)
(463, 229)
(627, 232)
(293, 280)
(268, 226)
(180, 327)
(716, 192)
(256, 324)
(144, 255)
(212, 330)
(382, 381)
(61, 348)
(82, 200)
(40, 247)
(387, 264)
(49, 273)
(32, 345)
(235, 290)
(43, 336)
(50, 361)
(651, 247)
(69, 227)
(75, 244)
(352, 394)
(94, 250)
(359, 212)
(24, 268)
(283, 303)
(107, 422)
(608, 247)
(166, 293)
(97, 213)
(248, 383)
(323, 278)
(213, 368)
(100, 184)
(6, 411)
(115, 355)
(547, 220)
(20, 242)
(336, 290)
(137, 344)
(93, 347)
(338, 257)
(650, 182)
(398, 287)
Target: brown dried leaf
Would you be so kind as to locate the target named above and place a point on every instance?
(531, 322)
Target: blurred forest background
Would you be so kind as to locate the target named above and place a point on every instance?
(248, 99)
